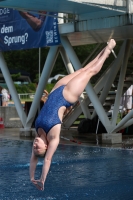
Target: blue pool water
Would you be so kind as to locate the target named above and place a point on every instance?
(76, 173)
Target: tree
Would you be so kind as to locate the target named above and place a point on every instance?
(15, 76)
(28, 60)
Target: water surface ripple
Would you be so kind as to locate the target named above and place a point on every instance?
(76, 173)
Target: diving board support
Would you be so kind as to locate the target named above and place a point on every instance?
(124, 122)
(70, 70)
(114, 68)
(50, 61)
(66, 61)
(128, 123)
(108, 78)
(121, 82)
(87, 59)
(112, 138)
(90, 91)
(12, 89)
(98, 87)
(84, 107)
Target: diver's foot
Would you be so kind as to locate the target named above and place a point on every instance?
(111, 44)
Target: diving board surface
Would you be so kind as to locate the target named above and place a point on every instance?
(66, 6)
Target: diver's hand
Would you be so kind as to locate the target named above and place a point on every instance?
(38, 184)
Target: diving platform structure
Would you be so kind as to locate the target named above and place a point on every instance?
(81, 23)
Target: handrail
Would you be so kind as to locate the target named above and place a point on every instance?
(26, 95)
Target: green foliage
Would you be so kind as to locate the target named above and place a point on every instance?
(59, 67)
(22, 89)
(49, 87)
(84, 51)
(31, 88)
(28, 88)
(36, 80)
(28, 60)
(15, 76)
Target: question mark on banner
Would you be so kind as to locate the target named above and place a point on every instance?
(26, 36)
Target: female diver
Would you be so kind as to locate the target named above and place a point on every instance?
(48, 124)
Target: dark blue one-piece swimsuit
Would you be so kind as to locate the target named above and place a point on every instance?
(48, 116)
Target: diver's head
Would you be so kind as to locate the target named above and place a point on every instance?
(40, 147)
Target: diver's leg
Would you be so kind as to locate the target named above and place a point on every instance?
(76, 86)
(69, 77)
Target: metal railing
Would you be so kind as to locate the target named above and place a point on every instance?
(26, 96)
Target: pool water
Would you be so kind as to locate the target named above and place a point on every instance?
(76, 173)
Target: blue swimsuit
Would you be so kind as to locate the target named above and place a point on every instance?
(48, 116)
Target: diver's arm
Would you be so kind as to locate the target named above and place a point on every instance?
(52, 146)
(47, 161)
(33, 163)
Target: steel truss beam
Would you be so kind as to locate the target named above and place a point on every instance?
(70, 60)
(110, 76)
(50, 61)
(12, 89)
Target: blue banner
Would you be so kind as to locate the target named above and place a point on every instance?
(25, 30)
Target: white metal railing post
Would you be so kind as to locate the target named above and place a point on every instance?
(60, 18)
(129, 10)
(129, 6)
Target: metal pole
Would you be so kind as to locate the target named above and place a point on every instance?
(50, 61)
(66, 61)
(111, 76)
(92, 95)
(121, 82)
(71, 70)
(12, 89)
(123, 121)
